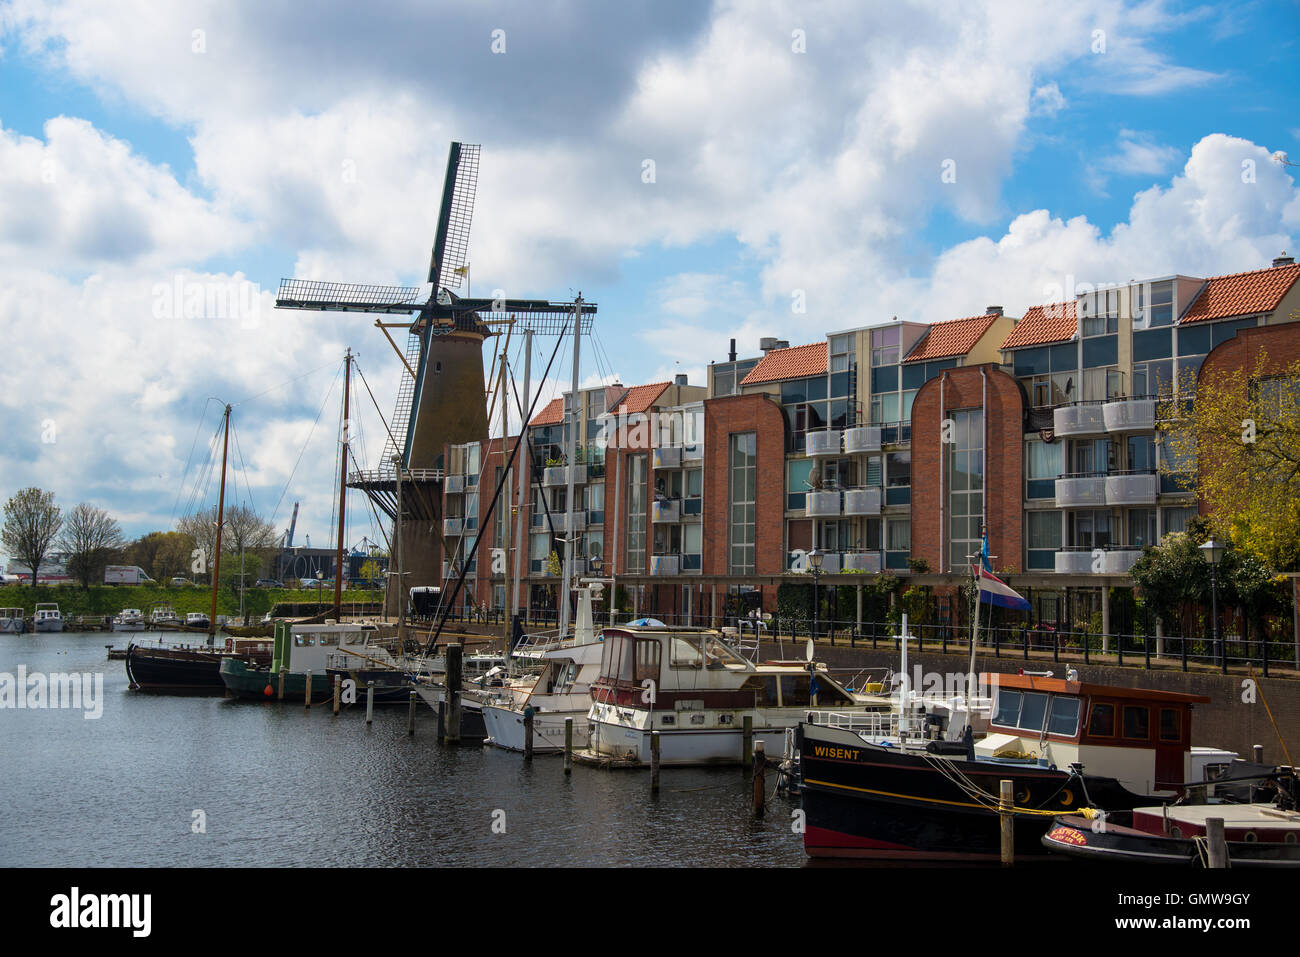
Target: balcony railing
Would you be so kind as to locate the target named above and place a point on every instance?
(556, 475)
(1081, 490)
(869, 562)
(1130, 415)
(862, 501)
(668, 458)
(453, 526)
(823, 505)
(1082, 418)
(454, 484)
(865, 438)
(1131, 488)
(824, 443)
(665, 564)
(669, 510)
(1101, 560)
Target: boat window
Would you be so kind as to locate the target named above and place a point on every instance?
(1137, 722)
(1101, 723)
(718, 655)
(329, 640)
(1008, 709)
(646, 663)
(1171, 725)
(1064, 716)
(765, 688)
(304, 641)
(794, 690)
(1032, 711)
(686, 653)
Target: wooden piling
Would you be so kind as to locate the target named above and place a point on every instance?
(529, 714)
(442, 720)
(370, 702)
(306, 692)
(760, 778)
(747, 741)
(338, 684)
(452, 679)
(654, 762)
(283, 671)
(410, 714)
(1006, 800)
(568, 745)
(1258, 751)
(1217, 844)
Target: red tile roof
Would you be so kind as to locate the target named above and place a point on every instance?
(639, 398)
(1054, 322)
(1242, 294)
(553, 414)
(793, 363)
(953, 337)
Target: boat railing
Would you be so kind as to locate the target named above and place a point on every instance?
(869, 724)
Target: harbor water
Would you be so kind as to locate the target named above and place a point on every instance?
(213, 782)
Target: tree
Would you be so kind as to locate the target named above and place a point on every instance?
(244, 531)
(1174, 579)
(162, 554)
(32, 522)
(91, 538)
(1241, 435)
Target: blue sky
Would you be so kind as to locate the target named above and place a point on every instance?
(1097, 139)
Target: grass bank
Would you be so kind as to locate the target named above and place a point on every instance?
(110, 599)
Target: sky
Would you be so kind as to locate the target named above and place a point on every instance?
(701, 171)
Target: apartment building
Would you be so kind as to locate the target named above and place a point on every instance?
(889, 446)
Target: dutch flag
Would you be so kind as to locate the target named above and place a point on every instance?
(994, 591)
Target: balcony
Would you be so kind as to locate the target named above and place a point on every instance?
(1131, 488)
(668, 458)
(693, 453)
(1084, 418)
(1080, 490)
(570, 523)
(453, 526)
(1129, 415)
(556, 475)
(865, 438)
(454, 484)
(868, 562)
(1111, 560)
(665, 564)
(862, 501)
(451, 571)
(692, 509)
(1074, 562)
(831, 562)
(1118, 561)
(823, 505)
(824, 443)
(666, 511)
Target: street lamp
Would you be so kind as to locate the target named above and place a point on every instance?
(815, 563)
(1212, 552)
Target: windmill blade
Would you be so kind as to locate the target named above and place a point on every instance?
(351, 297)
(451, 242)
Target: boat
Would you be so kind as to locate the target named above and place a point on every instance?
(1256, 835)
(697, 690)
(186, 670)
(301, 650)
(47, 617)
(927, 788)
(162, 617)
(197, 621)
(129, 619)
(12, 621)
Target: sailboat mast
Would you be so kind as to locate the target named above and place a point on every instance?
(221, 517)
(570, 539)
(505, 515)
(343, 488)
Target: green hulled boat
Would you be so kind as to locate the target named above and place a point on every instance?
(299, 649)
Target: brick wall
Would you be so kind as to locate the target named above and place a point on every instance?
(1003, 461)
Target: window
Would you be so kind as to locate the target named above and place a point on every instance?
(743, 502)
(884, 346)
(1141, 527)
(898, 468)
(636, 509)
(1176, 518)
(645, 663)
(685, 653)
(900, 534)
(1044, 463)
(1090, 529)
(1137, 722)
(1064, 716)
(966, 487)
(1141, 453)
(1171, 724)
(798, 472)
(841, 353)
(1101, 723)
(1008, 709)
(1043, 539)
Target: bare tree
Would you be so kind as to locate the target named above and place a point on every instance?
(90, 537)
(244, 531)
(32, 521)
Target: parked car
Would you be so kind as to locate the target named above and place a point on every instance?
(267, 583)
(180, 582)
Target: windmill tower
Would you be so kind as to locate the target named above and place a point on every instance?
(441, 399)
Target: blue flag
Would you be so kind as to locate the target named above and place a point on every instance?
(984, 552)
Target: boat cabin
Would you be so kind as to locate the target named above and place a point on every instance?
(1142, 737)
(303, 648)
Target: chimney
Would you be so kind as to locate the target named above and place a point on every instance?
(783, 344)
(767, 344)
(992, 310)
(1283, 260)
(680, 380)
(731, 355)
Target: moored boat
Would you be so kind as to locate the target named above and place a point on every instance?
(12, 621)
(47, 617)
(186, 670)
(129, 619)
(301, 650)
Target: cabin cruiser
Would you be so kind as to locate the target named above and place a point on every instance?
(303, 652)
(12, 621)
(47, 617)
(129, 619)
(196, 619)
(696, 691)
(163, 616)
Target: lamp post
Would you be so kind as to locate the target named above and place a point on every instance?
(1212, 552)
(815, 563)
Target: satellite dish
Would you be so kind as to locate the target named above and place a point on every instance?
(808, 651)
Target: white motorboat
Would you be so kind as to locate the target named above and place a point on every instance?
(47, 617)
(129, 619)
(12, 621)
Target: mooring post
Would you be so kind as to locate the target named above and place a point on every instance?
(452, 680)
(760, 777)
(568, 745)
(283, 672)
(1006, 795)
(442, 720)
(306, 691)
(410, 714)
(747, 741)
(654, 762)
(529, 715)
(1218, 845)
(1258, 751)
(370, 702)
(338, 684)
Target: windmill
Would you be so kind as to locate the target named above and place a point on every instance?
(441, 399)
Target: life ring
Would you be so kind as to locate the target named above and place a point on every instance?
(1067, 797)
